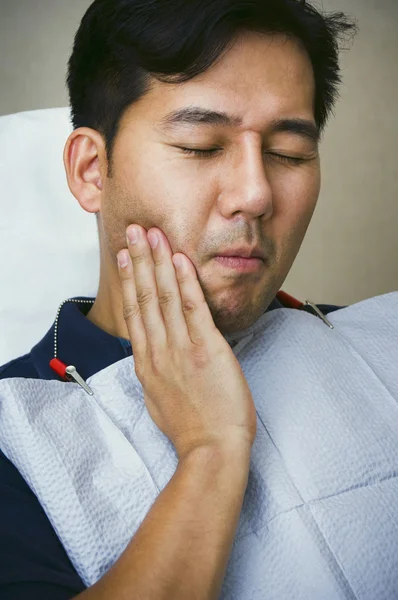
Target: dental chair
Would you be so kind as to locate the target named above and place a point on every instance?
(49, 247)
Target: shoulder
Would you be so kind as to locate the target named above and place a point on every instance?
(33, 561)
(19, 367)
(30, 550)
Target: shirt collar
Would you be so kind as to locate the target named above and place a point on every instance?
(79, 342)
(82, 343)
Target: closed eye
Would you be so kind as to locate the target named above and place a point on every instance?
(198, 152)
(291, 160)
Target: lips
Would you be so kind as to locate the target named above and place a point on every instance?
(241, 264)
(243, 253)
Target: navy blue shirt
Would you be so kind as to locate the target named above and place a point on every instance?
(33, 562)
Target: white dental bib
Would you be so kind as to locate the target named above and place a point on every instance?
(320, 514)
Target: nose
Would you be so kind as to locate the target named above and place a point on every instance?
(246, 189)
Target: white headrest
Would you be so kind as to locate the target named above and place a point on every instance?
(49, 248)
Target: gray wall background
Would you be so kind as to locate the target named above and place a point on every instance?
(351, 249)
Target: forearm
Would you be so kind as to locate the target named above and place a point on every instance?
(182, 548)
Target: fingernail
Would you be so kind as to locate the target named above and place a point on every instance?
(132, 236)
(122, 260)
(177, 261)
(153, 239)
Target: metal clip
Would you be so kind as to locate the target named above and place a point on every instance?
(73, 374)
(319, 313)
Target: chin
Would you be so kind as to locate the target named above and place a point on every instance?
(237, 318)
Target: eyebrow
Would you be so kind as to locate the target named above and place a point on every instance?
(194, 115)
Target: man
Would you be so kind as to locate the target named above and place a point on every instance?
(198, 121)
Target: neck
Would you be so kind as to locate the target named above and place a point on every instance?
(107, 311)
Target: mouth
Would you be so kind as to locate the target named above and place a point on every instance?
(240, 263)
(243, 252)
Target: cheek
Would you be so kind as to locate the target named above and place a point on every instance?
(296, 193)
(164, 198)
(294, 204)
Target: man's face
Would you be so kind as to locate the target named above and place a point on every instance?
(244, 193)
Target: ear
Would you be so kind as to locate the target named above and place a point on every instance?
(86, 167)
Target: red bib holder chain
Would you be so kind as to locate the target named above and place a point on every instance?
(69, 372)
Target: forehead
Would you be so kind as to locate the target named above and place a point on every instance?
(260, 79)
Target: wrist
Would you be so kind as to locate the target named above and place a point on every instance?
(221, 454)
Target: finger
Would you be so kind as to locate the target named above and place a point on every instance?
(146, 289)
(169, 291)
(131, 309)
(197, 313)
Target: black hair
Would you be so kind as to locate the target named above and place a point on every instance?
(121, 44)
